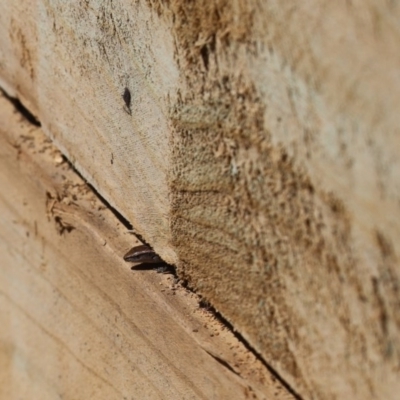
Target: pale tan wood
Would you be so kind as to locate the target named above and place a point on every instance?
(77, 92)
(76, 322)
(261, 156)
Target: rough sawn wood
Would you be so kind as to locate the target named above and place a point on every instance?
(76, 322)
(260, 154)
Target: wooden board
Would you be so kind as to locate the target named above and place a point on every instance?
(76, 321)
(259, 154)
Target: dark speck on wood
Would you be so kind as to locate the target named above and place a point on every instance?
(127, 98)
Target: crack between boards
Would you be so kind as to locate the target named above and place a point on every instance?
(29, 117)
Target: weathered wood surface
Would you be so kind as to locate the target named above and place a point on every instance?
(76, 322)
(260, 155)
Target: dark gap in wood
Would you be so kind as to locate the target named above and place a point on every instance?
(20, 108)
(33, 120)
(222, 362)
(272, 370)
(116, 213)
(161, 268)
(203, 303)
(170, 269)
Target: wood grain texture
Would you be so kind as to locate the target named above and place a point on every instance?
(260, 154)
(76, 321)
(70, 65)
(286, 180)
